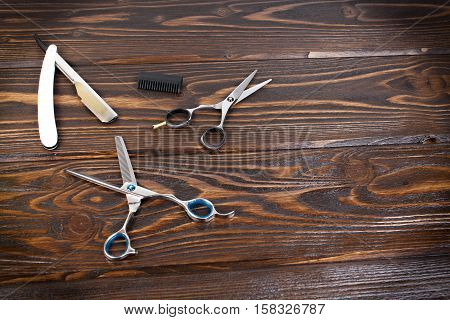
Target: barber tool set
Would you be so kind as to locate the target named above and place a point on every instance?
(146, 81)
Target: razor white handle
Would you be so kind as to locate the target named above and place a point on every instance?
(46, 112)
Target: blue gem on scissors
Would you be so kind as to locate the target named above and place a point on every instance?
(131, 187)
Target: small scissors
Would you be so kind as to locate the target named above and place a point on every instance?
(135, 194)
(235, 97)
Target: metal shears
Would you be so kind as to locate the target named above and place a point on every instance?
(236, 96)
(135, 194)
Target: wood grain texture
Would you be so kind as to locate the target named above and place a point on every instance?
(310, 103)
(291, 208)
(177, 31)
(339, 169)
(400, 278)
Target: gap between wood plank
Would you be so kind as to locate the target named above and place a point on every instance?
(418, 141)
(253, 58)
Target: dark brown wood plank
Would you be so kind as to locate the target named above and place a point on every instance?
(337, 204)
(406, 278)
(338, 170)
(310, 103)
(134, 32)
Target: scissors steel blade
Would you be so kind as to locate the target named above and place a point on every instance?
(126, 169)
(252, 90)
(236, 93)
(102, 183)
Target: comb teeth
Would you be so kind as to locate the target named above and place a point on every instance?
(160, 82)
(159, 86)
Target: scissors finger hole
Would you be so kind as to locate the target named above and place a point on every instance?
(213, 138)
(200, 209)
(178, 118)
(117, 245)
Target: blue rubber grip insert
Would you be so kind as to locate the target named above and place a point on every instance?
(114, 238)
(196, 203)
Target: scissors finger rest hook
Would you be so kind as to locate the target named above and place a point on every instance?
(192, 208)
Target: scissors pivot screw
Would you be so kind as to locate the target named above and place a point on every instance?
(131, 187)
(230, 99)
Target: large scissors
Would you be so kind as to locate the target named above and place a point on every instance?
(236, 96)
(135, 194)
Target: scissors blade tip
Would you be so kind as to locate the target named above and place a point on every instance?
(76, 174)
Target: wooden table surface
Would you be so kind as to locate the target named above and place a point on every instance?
(338, 170)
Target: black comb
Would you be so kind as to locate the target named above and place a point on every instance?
(159, 82)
